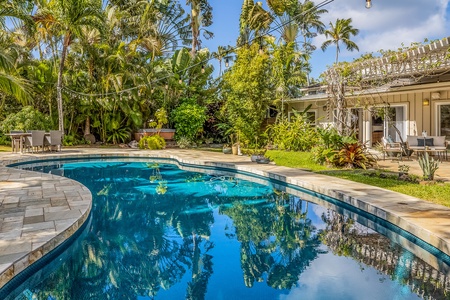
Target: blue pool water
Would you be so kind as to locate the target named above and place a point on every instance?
(157, 232)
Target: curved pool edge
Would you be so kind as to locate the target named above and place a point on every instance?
(425, 220)
(38, 212)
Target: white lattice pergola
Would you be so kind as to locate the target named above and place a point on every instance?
(413, 64)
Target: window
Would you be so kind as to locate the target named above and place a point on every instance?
(272, 111)
(444, 120)
(310, 116)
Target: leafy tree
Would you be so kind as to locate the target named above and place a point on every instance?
(159, 27)
(340, 32)
(248, 92)
(308, 18)
(289, 68)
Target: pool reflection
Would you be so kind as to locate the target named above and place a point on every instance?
(217, 237)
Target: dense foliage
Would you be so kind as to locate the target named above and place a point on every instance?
(104, 69)
(248, 92)
(295, 135)
(189, 119)
(154, 142)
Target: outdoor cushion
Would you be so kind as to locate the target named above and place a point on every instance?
(412, 140)
(439, 141)
(428, 142)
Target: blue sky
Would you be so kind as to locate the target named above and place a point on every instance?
(385, 26)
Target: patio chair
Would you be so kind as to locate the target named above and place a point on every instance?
(391, 147)
(36, 140)
(15, 140)
(54, 140)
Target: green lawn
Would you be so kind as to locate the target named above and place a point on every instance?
(437, 193)
(4, 148)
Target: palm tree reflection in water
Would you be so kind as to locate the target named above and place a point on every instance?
(161, 245)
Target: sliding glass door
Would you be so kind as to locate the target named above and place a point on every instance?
(444, 120)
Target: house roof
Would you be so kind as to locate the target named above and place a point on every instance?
(424, 67)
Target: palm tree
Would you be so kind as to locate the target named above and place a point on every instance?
(308, 18)
(160, 27)
(67, 19)
(341, 31)
(10, 82)
(201, 16)
(221, 54)
(254, 21)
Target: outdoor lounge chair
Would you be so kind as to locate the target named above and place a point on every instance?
(391, 147)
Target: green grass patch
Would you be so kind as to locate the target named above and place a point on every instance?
(436, 193)
(299, 160)
(4, 148)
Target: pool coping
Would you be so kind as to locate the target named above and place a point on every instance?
(428, 221)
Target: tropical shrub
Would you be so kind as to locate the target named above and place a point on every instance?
(26, 119)
(322, 155)
(296, 135)
(154, 142)
(73, 140)
(184, 143)
(161, 119)
(189, 119)
(118, 135)
(4, 140)
(329, 143)
(353, 155)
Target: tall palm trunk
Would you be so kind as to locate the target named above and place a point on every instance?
(194, 28)
(59, 84)
(337, 52)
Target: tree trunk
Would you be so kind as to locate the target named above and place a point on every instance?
(59, 85)
(195, 11)
(87, 126)
(340, 107)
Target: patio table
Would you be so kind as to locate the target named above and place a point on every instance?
(21, 137)
(430, 151)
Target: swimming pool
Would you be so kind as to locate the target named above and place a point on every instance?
(159, 232)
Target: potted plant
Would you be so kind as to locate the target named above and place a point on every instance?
(234, 145)
(257, 154)
(226, 149)
(403, 170)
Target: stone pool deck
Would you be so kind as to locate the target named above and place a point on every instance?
(39, 211)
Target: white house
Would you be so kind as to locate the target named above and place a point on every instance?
(414, 86)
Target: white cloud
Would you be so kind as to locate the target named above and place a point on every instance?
(387, 25)
(334, 277)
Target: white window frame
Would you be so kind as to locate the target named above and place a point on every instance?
(437, 115)
(405, 121)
